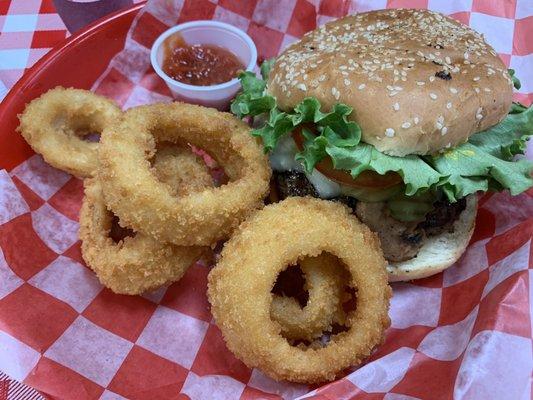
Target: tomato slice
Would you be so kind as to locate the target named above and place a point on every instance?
(366, 179)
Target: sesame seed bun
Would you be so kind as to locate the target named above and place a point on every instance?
(438, 252)
(418, 81)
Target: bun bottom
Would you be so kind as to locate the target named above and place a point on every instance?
(438, 252)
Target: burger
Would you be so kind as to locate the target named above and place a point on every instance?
(404, 115)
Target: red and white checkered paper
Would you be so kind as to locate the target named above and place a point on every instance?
(464, 334)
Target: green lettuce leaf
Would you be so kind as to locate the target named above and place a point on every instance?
(516, 82)
(483, 163)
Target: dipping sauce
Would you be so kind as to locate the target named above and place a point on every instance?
(199, 64)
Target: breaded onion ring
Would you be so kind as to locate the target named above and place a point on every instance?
(323, 281)
(140, 263)
(239, 287)
(133, 192)
(54, 125)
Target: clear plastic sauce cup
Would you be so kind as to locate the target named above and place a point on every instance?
(206, 33)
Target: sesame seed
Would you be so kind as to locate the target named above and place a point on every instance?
(431, 78)
(396, 106)
(448, 145)
(420, 83)
(322, 78)
(406, 125)
(391, 94)
(476, 78)
(444, 131)
(389, 132)
(453, 90)
(448, 60)
(479, 116)
(438, 125)
(416, 120)
(301, 86)
(361, 86)
(465, 56)
(476, 90)
(487, 90)
(448, 105)
(440, 119)
(433, 96)
(479, 110)
(347, 82)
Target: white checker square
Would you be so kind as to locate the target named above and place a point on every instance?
(524, 9)
(286, 390)
(508, 210)
(57, 231)
(68, 281)
(109, 395)
(20, 23)
(472, 262)
(498, 31)
(16, 358)
(405, 309)
(224, 15)
(90, 350)
(510, 265)
(383, 374)
(40, 177)
(523, 66)
(155, 295)
(448, 7)
(165, 11)
(396, 396)
(3, 90)
(448, 342)
(134, 62)
(323, 19)
(496, 365)
(9, 281)
(287, 40)
(161, 337)
(140, 96)
(271, 14)
(359, 6)
(215, 387)
(12, 204)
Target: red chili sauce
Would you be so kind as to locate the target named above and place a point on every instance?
(199, 64)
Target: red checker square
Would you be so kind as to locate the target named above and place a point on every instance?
(397, 338)
(4, 7)
(523, 98)
(463, 17)
(74, 252)
(188, 295)
(25, 253)
(214, 358)
(460, 299)
(144, 375)
(303, 18)
(407, 4)
(485, 225)
(59, 382)
(504, 308)
(68, 199)
(34, 317)
(250, 393)
(196, 9)
(46, 39)
(125, 316)
(427, 378)
(333, 8)
(33, 200)
(241, 7)
(434, 281)
(47, 7)
(268, 41)
(484, 198)
(501, 246)
(506, 58)
(147, 30)
(115, 86)
(152, 82)
(24, 7)
(523, 32)
(504, 9)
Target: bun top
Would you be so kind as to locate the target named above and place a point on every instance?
(418, 81)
